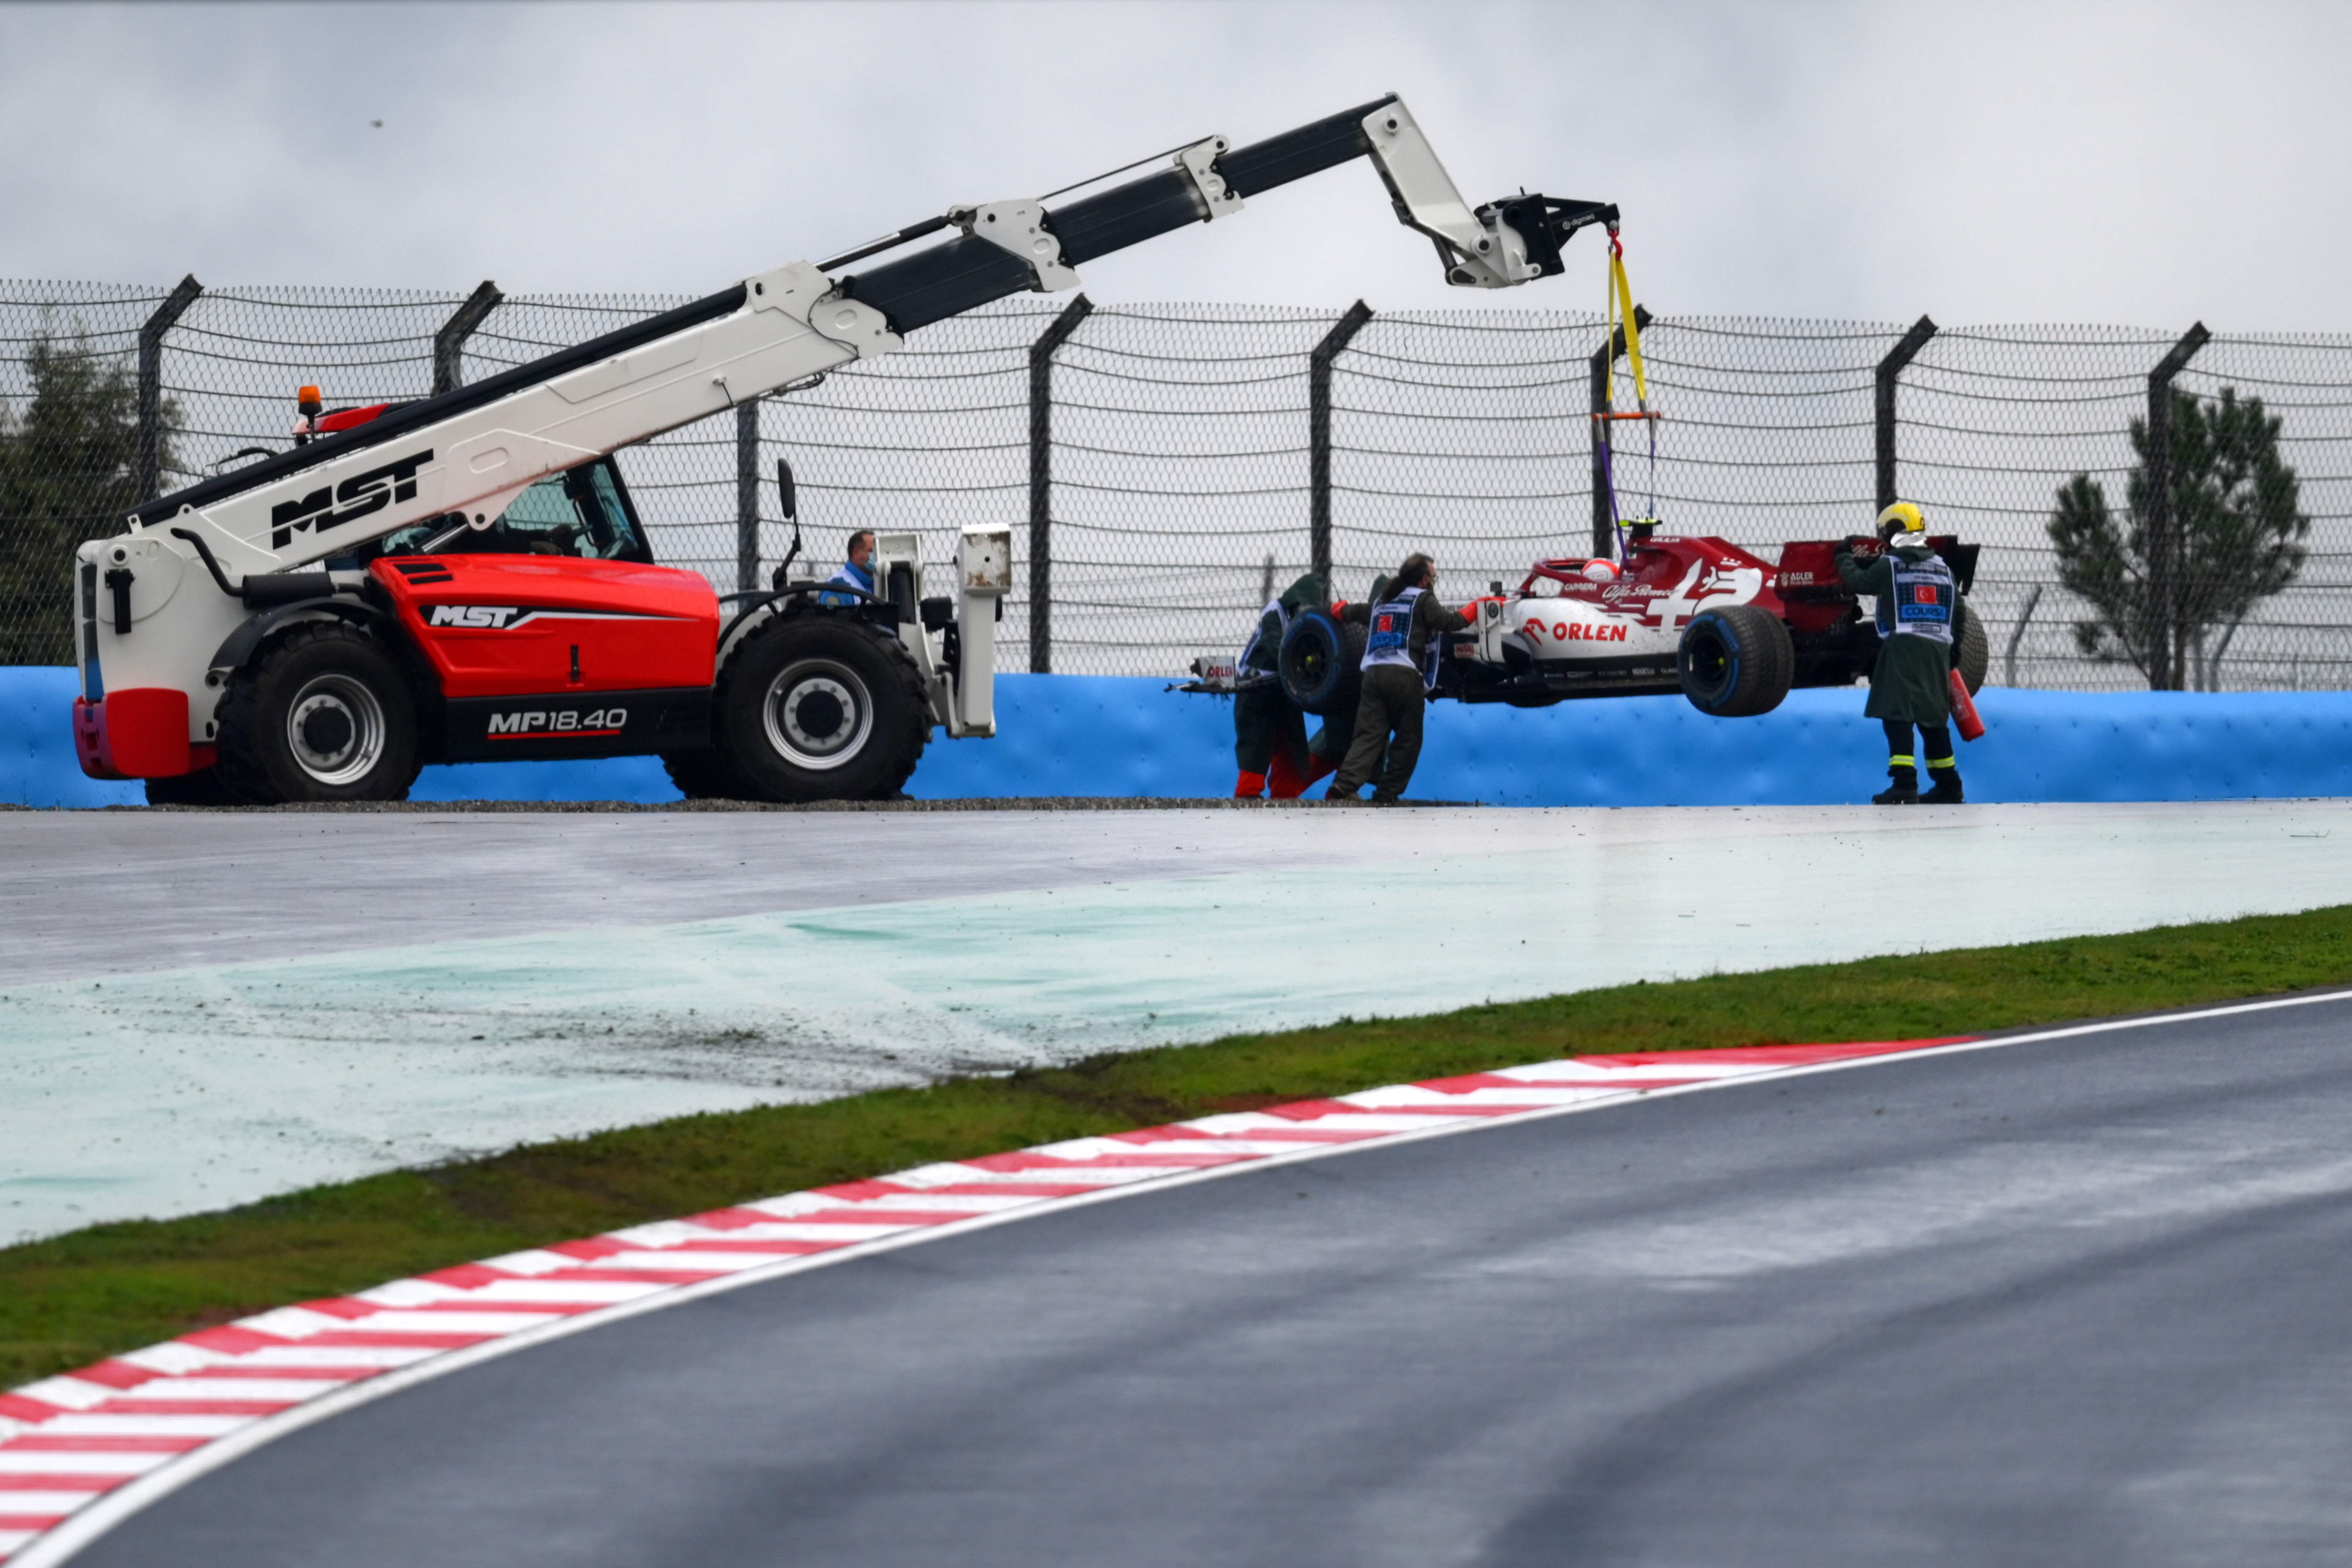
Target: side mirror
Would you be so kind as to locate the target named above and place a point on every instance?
(791, 504)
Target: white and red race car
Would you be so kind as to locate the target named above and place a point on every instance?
(1730, 631)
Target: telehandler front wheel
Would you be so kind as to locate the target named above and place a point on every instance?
(818, 706)
(325, 714)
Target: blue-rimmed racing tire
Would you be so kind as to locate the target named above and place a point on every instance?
(1736, 662)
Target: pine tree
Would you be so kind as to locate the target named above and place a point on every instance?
(69, 471)
(2237, 538)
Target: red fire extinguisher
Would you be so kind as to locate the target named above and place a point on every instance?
(1964, 711)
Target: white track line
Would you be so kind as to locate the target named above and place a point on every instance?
(79, 1454)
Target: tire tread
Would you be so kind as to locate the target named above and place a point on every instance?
(701, 775)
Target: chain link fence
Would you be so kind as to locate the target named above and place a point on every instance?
(1166, 456)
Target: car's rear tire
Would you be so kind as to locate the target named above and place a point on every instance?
(820, 706)
(1736, 661)
(1321, 663)
(324, 714)
(1976, 655)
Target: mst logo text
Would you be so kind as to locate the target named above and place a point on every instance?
(499, 617)
(331, 505)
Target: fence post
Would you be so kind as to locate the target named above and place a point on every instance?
(747, 496)
(1889, 369)
(1041, 482)
(151, 384)
(1604, 511)
(2163, 634)
(450, 342)
(1319, 434)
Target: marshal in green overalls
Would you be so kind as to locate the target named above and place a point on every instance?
(1921, 619)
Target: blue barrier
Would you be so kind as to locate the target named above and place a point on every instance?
(37, 751)
(1120, 736)
(1113, 735)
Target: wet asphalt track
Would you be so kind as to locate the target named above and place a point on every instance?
(2081, 1302)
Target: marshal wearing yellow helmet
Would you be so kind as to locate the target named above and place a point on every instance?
(1921, 621)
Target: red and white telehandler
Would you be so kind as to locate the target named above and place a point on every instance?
(465, 576)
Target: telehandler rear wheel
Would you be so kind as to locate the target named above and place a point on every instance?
(325, 714)
(820, 706)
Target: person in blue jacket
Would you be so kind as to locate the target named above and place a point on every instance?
(858, 572)
(1388, 714)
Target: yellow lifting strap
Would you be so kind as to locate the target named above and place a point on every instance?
(1621, 318)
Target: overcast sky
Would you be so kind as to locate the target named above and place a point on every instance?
(2140, 163)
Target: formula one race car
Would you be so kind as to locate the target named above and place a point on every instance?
(1726, 629)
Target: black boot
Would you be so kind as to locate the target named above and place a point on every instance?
(1947, 791)
(1903, 789)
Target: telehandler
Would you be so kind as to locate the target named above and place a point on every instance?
(465, 576)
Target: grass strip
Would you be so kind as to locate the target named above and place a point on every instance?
(71, 1299)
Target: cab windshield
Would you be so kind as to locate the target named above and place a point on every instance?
(582, 512)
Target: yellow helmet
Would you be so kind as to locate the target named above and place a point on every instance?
(1911, 518)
